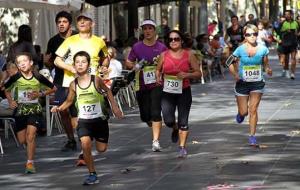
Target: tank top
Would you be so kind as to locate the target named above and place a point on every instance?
(172, 66)
(90, 102)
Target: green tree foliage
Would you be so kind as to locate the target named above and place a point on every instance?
(10, 20)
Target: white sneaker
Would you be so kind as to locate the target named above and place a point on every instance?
(292, 76)
(156, 146)
(287, 74)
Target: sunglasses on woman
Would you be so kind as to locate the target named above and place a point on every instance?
(176, 39)
(251, 34)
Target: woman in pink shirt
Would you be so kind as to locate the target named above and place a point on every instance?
(175, 68)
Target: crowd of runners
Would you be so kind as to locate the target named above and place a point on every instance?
(164, 67)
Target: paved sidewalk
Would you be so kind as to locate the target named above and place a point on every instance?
(219, 157)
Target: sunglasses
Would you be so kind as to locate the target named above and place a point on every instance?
(176, 39)
(251, 34)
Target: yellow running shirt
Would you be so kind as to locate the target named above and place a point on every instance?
(94, 46)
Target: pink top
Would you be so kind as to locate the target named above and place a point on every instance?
(172, 65)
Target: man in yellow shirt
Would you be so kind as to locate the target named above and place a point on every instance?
(83, 41)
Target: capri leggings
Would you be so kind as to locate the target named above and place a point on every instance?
(150, 104)
(183, 103)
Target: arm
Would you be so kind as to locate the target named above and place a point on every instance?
(102, 87)
(68, 102)
(12, 103)
(267, 66)
(196, 73)
(59, 62)
(159, 68)
(233, 71)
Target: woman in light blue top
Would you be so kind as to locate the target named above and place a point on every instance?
(248, 73)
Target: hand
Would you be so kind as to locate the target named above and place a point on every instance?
(269, 71)
(13, 104)
(72, 69)
(158, 82)
(117, 112)
(33, 95)
(182, 75)
(236, 77)
(54, 109)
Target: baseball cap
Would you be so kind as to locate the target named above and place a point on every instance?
(87, 15)
(148, 22)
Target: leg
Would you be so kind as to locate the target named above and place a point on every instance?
(155, 112)
(86, 145)
(101, 147)
(143, 99)
(21, 135)
(184, 103)
(253, 106)
(242, 103)
(293, 62)
(30, 140)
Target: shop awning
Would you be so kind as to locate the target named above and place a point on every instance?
(42, 4)
(141, 3)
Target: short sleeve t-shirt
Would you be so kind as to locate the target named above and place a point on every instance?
(23, 87)
(149, 57)
(250, 67)
(94, 46)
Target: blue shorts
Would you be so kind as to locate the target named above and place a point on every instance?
(243, 88)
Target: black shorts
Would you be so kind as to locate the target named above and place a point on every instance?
(243, 88)
(24, 120)
(287, 49)
(150, 104)
(94, 128)
(61, 95)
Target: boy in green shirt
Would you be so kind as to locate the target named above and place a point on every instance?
(90, 92)
(27, 87)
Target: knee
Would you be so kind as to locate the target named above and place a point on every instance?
(102, 149)
(183, 127)
(169, 124)
(85, 145)
(29, 138)
(253, 111)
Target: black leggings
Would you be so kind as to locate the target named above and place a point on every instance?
(150, 104)
(183, 103)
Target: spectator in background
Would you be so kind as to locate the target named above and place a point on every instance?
(163, 29)
(212, 27)
(234, 33)
(251, 20)
(23, 44)
(115, 66)
(40, 56)
(242, 21)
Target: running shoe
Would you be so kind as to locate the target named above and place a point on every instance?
(287, 74)
(292, 76)
(30, 169)
(252, 141)
(239, 118)
(156, 146)
(182, 152)
(70, 145)
(175, 135)
(80, 161)
(91, 180)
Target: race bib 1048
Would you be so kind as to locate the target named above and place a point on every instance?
(252, 73)
(172, 84)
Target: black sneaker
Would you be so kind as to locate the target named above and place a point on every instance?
(70, 145)
(175, 135)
